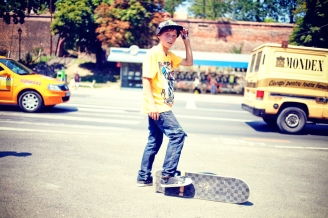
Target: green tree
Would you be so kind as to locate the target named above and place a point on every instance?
(258, 10)
(244, 10)
(312, 29)
(14, 7)
(126, 23)
(17, 9)
(288, 8)
(170, 5)
(74, 21)
(210, 9)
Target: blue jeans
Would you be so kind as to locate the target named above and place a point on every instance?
(167, 124)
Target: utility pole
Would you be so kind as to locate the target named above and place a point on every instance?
(50, 27)
(204, 5)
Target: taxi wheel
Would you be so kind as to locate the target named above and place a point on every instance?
(30, 101)
(292, 120)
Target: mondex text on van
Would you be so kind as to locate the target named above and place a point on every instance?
(299, 63)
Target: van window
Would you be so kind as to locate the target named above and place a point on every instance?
(263, 59)
(258, 60)
(252, 63)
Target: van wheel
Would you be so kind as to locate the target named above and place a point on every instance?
(30, 101)
(291, 120)
(270, 121)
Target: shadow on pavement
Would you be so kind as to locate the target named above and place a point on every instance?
(55, 109)
(310, 129)
(247, 203)
(59, 109)
(14, 153)
(10, 108)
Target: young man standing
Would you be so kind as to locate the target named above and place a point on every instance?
(158, 98)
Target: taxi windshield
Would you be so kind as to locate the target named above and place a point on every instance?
(16, 67)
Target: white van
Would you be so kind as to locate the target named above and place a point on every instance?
(287, 86)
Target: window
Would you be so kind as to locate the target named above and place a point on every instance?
(263, 59)
(16, 67)
(252, 63)
(258, 60)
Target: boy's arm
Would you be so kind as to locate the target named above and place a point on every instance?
(153, 111)
(189, 60)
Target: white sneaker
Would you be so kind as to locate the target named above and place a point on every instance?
(176, 181)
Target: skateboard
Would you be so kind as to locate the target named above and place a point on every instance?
(207, 186)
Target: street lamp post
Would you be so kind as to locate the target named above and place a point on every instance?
(19, 42)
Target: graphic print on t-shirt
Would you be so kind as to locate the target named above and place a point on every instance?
(168, 73)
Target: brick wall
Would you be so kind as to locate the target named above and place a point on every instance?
(211, 36)
(221, 36)
(35, 33)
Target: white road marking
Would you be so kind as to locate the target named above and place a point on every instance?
(309, 148)
(212, 118)
(289, 147)
(100, 108)
(234, 141)
(118, 108)
(191, 104)
(316, 148)
(54, 131)
(63, 125)
(74, 118)
(219, 110)
(107, 115)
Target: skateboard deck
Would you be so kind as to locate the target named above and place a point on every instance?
(207, 186)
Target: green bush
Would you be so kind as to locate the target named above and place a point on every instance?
(28, 58)
(36, 50)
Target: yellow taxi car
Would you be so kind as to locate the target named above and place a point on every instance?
(19, 85)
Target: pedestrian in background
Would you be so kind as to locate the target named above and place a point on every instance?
(77, 79)
(197, 86)
(213, 84)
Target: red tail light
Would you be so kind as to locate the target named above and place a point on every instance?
(259, 95)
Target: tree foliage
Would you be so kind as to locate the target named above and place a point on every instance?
(126, 23)
(312, 29)
(210, 9)
(258, 10)
(171, 5)
(17, 9)
(74, 21)
(246, 10)
(288, 8)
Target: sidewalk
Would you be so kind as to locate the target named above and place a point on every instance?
(130, 93)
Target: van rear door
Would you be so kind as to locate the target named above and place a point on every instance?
(256, 68)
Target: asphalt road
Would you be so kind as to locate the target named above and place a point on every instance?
(80, 159)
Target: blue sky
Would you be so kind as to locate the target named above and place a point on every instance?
(183, 7)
